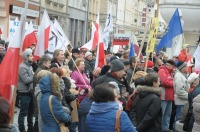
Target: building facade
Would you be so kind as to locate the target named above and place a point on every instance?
(57, 9)
(77, 11)
(12, 9)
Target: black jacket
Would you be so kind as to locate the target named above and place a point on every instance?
(146, 114)
(71, 63)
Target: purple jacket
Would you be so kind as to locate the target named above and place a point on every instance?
(77, 77)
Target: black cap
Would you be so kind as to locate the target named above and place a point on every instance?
(170, 61)
(75, 50)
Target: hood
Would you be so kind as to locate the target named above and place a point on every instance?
(50, 84)
(103, 107)
(45, 84)
(161, 67)
(144, 90)
(196, 104)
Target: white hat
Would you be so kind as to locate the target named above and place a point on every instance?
(88, 53)
(192, 77)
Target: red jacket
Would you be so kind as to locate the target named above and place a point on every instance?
(167, 90)
(186, 58)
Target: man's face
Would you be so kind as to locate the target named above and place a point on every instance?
(1, 49)
(184, 70)
(30, 58)
(169, 66)
(120, 74)
(61, 56)
(76, 55)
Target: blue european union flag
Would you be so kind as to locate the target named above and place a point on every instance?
(131, 53)
(174, 28)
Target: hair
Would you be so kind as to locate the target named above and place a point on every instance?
(45, 58)
(56, 53)
(4, 112)
(150, 78)
(58, 71)
(140, 81)
(104, 93)
(156, 64)
(42, 73)
(66, 54)
(132, 60)
(78, 61)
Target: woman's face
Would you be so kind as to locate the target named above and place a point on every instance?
(81, 66)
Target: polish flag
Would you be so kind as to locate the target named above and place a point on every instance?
(89, 44)
(96, 34)
(29, 37)
(100, 58)
(1, 31)
(43, 36)
(10, 64)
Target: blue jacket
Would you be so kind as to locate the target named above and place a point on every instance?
(83, 110)
(49, 124)
(101, 118)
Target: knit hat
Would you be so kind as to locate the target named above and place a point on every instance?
(139, 74)
(150, 64)
(185, 45)
(181, 64)
(116, 65)
(172, 62)
(193, 76)
(126, 62)
(87, 54)
(26, 54)
(113, 57)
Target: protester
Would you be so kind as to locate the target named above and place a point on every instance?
(102, 116)
(83, 111)
(181, 88)
(165, 58)
(81, 79)
(75, 55)
(25, 91)
(150, 66)
(89, 65)
(58, 58)
(5, 118)
(157, 65)
(44, 64)
(50, 87)
(133, 65)
(147, 105)
(196, 111)
(167, 92)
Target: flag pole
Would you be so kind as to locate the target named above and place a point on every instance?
(142, 44)
(22, 20)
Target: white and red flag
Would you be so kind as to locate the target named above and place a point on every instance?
(29, 37)
(100, 58)
(43, 36)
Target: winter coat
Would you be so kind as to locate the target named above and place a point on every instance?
(146, 114)
(181, 87)
(55, 63)
(71, 63)
(101, 118)
(83, 110)
(78, 78)
(89, 67)
(49, 123)
(35, 82)
(196, 111)
(25, 78)
(167, 90)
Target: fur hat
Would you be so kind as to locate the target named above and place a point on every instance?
(193, 76)
(26, 54)
(181, 64)
(116, 65)
(87, 54)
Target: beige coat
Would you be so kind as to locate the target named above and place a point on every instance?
(196, 111)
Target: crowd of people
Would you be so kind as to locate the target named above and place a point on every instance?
(67, 92)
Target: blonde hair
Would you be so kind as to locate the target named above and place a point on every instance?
(78, 61)
(56, 53)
